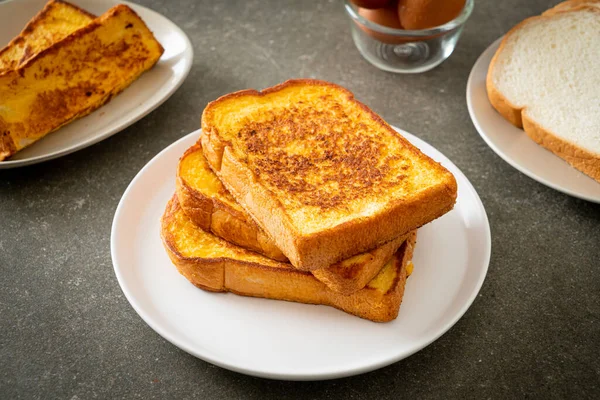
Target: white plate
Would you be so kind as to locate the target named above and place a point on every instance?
(139, 99)
(515, 147)
(282, 340)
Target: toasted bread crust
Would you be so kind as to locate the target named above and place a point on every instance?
(38, 20)
(346, 277)
(58, 104)
(580, 158)
(327, 246)
(7, 146)
(212, 277)
(212, 213)
(79, 9)
(199, 208)
(217, 217)
(500, 103)
(282, 281)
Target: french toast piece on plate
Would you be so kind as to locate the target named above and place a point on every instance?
(214, 264)
(57, 20)
(73, 77)
(320, 172)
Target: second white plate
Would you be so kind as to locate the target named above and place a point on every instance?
(139, 99)
(282, 340)
(515, 147)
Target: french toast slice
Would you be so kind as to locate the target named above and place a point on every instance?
(208, 204)
(57, 20)
(213, 264)
(73, 77)
(321, 173)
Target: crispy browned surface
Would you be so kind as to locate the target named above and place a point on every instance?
(331, 160)
(208, 204)
(216, 265)
(322, 174)
(580, 158)
(217, 211)
(55, 21)
(73, 77)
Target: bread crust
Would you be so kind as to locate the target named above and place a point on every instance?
(578, 157)
(328, 246)
(217, 217)
(582, 159)
(282, 281)
(346, 277)
(7, 146)
(507, 109)
(212, 277)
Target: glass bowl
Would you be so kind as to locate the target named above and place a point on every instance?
(405, 51)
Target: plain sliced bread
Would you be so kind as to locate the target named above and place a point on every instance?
(570, 5)
(545, 77)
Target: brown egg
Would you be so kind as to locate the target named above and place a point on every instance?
(387, 16)
(424, 14)
(371, 4)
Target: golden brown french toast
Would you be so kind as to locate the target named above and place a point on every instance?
(73, 77)
(57, 20)
(206, 201)
(320, 172)
(214, 264)
(208, 204)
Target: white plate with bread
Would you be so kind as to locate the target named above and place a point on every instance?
(285, 340)
(50, 115)
(543, 88)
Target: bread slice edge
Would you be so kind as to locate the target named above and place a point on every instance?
(245, 278)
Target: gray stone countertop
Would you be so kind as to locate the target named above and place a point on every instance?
(68, 332)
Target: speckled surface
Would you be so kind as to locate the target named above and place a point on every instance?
(67, 331)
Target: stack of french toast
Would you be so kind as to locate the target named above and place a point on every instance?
(301, 193)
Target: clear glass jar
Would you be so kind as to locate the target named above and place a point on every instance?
(405, 51)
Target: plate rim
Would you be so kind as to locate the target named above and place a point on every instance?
(188, 59)
(325, 375)
(470, 88)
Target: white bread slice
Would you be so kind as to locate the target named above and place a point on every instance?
(545, 78)
(570, 5)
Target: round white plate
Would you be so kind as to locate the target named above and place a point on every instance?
(282, 340)
(515, 147)
(138, 100)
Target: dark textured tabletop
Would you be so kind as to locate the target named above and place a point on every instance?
(68, 332)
